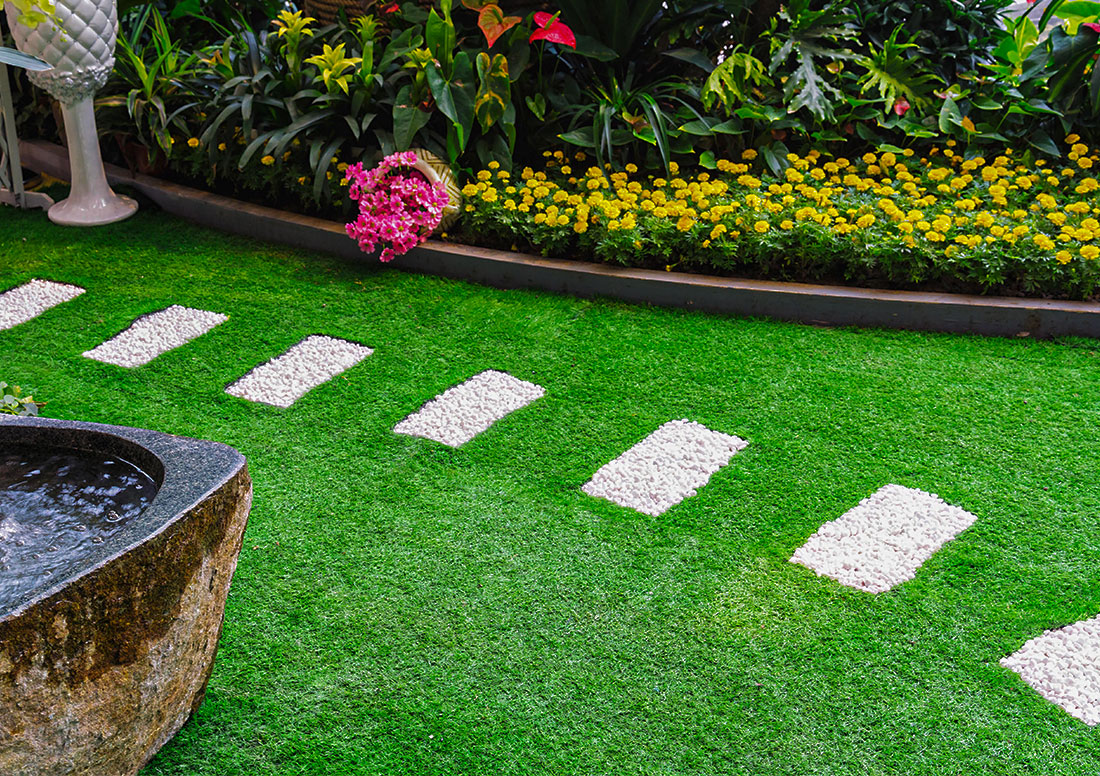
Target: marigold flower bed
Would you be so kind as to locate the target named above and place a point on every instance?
(950, 220)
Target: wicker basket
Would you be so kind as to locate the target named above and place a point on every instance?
(325, 11)
(438, 171)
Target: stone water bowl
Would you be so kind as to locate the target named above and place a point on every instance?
(109, 623)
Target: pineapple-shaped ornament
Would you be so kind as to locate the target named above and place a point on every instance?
(79, 41)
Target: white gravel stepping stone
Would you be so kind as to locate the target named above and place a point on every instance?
(1063, 665)
(33, 298)
(156, 333)
(884, 540)
(462, 412)
(285, 379)
(666, 467)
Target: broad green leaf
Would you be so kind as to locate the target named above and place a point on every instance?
(1077, 11)
(579, 137)
(984, 103)
(1042, 141)
(408, 119)
(691, 56)
(441, 91)
(591, 48)
(949, 115)
(537, 105)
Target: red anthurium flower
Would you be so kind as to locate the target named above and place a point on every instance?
(1092, 26)
(549, 27)
(902, 106)
(389, 8)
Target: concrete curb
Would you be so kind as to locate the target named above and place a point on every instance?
(799, 302)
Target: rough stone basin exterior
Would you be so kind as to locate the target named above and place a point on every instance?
(99, 668)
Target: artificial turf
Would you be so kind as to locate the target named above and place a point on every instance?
(401, 607)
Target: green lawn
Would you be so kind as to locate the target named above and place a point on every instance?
(401, 607)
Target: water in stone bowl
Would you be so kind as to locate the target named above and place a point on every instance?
(56, 506)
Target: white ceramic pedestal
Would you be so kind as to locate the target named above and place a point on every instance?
(79, 42)
(91, 202)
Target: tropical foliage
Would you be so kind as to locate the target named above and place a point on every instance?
(278, 106)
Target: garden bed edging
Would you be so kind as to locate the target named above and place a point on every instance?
(822, 305)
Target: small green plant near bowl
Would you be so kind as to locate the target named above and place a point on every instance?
(12, 402)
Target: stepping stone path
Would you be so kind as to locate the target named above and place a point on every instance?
(664, 468)
(156, 333)
(285, 379)
(462, 412)
(875, 546)
(884, 540)
(33, 298)
(1063, 665)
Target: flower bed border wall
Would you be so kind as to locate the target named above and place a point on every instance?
(799, 302)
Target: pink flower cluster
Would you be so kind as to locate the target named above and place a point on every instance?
(398, 207)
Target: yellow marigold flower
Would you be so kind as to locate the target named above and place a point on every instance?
(865, 221)
(267, 160)
(760, 226)
(193, 142)
(1084, 162)
(748, 154)
(221, 146)
(1090, 251)
(933, 237)
(685, 223)
(1063, 257)
(717, 231)
(494, 165)
(484, 175)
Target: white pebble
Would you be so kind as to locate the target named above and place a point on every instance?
(1063, 665)
(156, 333)
(285, 379)
(884, 540)
(33, 298)
(666, 467)
(463, 411)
